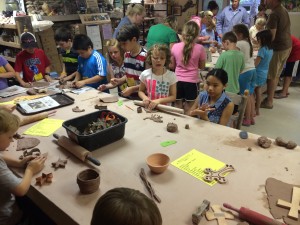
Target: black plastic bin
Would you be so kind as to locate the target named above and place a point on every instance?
(98, 139)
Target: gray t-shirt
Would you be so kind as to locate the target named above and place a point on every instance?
(9, 212)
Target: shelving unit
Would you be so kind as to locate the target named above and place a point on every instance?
(150, 18)
(10, 43)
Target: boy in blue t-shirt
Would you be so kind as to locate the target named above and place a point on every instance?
(91, 64)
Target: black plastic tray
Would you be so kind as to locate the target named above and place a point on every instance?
(99, 139)
(61, 98)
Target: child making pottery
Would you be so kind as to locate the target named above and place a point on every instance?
(115, 67)
(125, 206)
(158, 84)
(213, 104)
(91, 64)
(187, 58)
(10, 184)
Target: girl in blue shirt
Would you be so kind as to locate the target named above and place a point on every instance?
(262, 61)
(213, 104)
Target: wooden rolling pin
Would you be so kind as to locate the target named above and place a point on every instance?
(253, 217)
(78, 151)
(161, 107)
(37, 117)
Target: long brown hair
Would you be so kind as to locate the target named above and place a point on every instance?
(189, 33)
(243, 29)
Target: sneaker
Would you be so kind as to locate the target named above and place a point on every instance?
(246, 123)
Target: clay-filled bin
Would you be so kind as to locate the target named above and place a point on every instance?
(88, 181)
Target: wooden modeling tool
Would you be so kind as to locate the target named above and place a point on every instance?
(219, 215)
(161, 107)
(78, 151)
(294, 206)
(218, 175)
(201, 210)
(37, 117)
(253, 217)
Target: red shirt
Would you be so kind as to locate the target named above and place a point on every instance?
(31, 64)
(295, 53)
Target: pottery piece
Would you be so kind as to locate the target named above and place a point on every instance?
(88, 181)
(158, 162)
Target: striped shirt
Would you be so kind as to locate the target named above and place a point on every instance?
(70, 59)
(134, 66)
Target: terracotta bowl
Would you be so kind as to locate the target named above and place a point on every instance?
(158, 162)
(88, 181)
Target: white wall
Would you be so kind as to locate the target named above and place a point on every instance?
(295, 25)
(2, 5)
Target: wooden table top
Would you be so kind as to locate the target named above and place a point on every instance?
(180, 192)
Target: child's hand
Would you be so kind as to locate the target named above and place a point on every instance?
(36, 165)
(102, 87)
(23, 162)
(115, 81)
(25, 85)
(127, 91)
(79, 84)
(146, 102)
(8, 108)
(48, 78)
(153, 104)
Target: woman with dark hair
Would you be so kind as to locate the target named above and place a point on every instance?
(213, 7)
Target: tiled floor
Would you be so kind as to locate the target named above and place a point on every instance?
(283, 120)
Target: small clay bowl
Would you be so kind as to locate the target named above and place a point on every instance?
(158, 162)
(88, 181)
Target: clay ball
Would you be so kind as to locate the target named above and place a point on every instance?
(264, 142)
(172, 127)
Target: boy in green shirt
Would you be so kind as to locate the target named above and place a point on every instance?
(232, 61)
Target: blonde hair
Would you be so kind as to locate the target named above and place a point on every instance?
(114, 43)
(208, 15)
(8, 122)
(261, 21)
(159, 48)
(189, 33)
(135, 9)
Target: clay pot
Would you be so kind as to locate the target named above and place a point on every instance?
(88, 181)
(158, 162)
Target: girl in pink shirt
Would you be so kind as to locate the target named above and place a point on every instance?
(187, 58)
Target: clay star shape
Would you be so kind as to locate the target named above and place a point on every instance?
(60, 163)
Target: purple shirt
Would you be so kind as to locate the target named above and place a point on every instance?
(3, 81)
(228, 18)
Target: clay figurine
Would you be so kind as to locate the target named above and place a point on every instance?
(77, 109)
(172, 127)
(32, 152)
(60, 163)
(218, 175)
(155, 118)
(45, 178)
(264, 142)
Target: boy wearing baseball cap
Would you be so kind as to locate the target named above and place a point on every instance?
(32, 61)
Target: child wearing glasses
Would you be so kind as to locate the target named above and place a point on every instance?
(158, 84)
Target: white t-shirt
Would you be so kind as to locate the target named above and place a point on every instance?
(244, 47)
(157, 86)
(252, 32)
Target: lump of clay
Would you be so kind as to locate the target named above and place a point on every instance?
(264, 142)
(280, 142)
(139, 109)
(187, 126)
(31, 92)
(77, 109)
(172, 127)
(26, 143)
(291, 145)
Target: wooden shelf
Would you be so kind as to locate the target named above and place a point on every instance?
(10, 44)
(10, 59)
(62, 18)
(8, 26)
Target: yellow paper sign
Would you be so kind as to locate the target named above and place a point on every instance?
(194, 163)
(38, 77)
(44, 128)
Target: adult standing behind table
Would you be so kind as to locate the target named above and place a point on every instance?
(230, 16)
(280, 25)
(135, 14)
(163, 33)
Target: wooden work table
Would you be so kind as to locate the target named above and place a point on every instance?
(180, 192)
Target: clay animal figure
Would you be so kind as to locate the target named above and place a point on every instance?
(60, 163)
(32, 152)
